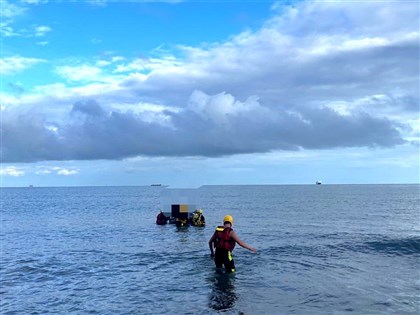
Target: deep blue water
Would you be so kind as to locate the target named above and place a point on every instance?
(326, 249)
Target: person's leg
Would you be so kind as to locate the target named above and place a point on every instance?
(219, 258)
(228, 262)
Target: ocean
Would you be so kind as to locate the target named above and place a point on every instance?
(321, 249)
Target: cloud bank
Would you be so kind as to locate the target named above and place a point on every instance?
(210, 126)
(317, 75)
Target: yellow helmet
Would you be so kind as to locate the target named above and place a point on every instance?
(199, 211)
(228, 218)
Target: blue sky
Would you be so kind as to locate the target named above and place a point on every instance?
(191, 93)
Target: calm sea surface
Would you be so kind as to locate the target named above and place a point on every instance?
(326, 249)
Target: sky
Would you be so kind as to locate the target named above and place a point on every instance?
(192, 93)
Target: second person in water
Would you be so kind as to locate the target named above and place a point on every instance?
(198, 218)
(223, 242)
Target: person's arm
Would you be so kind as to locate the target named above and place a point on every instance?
(211, 242)
(241, 243)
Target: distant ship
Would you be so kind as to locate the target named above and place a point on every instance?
(156, 185)
(318, 182)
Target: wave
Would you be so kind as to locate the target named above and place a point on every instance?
(373, 245)
(391, 246)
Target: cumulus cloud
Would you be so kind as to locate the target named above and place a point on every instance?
(204, 128)
(11, 171)
(317, 75)
(67, 172)
(16, 64)
(79, 73)
(48, 170)
(297, 66)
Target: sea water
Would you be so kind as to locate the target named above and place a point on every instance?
(322, 249)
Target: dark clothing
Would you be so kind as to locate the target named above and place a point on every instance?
(224, 257)
(161, 219)
(224, 240)
(198, 219)
(224, 245)
(181, 223)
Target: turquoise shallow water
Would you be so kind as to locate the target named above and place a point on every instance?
(327, 249)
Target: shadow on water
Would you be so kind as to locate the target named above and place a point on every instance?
(182, 229)
(222, 296)
(182, 233)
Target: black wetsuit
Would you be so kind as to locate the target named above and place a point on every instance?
(224, 246)
(224, 257)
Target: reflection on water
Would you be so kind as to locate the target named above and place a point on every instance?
(182, 233)
(222, 296)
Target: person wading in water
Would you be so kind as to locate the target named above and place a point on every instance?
(224, 240)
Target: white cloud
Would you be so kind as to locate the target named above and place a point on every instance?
(222, 107)
(7, 30)
(10, 13)
(16, 64)
(150, 64)
(83, 73)
(10, 10)
(11, 171)
(107, 62)
(67, 172)
(42, 30)
(117, 58)
(57, 170)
